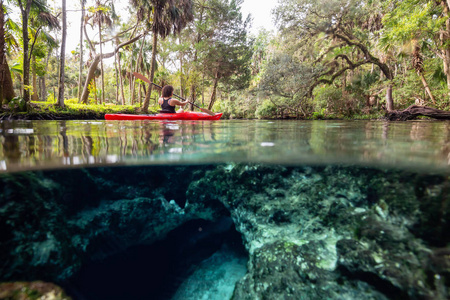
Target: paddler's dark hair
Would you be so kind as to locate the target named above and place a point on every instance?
(167, 91)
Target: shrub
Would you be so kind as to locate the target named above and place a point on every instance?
(266, 110)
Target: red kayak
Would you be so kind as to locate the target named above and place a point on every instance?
(163, 116)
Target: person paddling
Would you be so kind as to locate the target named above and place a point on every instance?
(167, 103)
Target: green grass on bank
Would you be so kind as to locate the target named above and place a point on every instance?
(73, 109)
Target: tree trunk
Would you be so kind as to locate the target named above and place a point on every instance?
(89, 77)
(213, 94)
(120, 79)
(181, 72)
(444, 37)
(414, 111)
(138, 64)
(6, 84)
(94, 65)
(203, 86)
(80, 72)
(34, 97)
(43, 81)
(116, 73)
(95, 90)
(193, 90)
(427, 88)
(63, 56)
(152, 74)
(25, 12)
(193, 95)
(130, 80)
(140, 94)
(42, 94)
(102, 99)
(389, 99)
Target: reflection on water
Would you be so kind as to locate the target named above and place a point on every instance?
(53, 144)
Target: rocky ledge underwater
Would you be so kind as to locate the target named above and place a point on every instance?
(236, 231)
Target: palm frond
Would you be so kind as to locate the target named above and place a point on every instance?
(16, 68)
(50, 40)
(11, 41)
(12, 26)
(39, 6)
(49, 20)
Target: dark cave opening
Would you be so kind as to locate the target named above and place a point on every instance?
(155, 271)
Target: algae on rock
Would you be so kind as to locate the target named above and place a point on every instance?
(311, 232)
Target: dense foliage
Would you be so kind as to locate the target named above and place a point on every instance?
(329, 58)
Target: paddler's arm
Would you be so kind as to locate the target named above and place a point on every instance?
(174, 102)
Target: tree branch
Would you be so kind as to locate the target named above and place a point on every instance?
(328, 51)
(34, 42)
(351, 66)
(369, 57)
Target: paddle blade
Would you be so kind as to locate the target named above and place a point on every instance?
(207, 111)
(141, 77)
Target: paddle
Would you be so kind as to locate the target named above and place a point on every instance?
(143, 78)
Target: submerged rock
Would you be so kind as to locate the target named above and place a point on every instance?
(334, 232)
(31, 291)
(310, 232)
(64, 218)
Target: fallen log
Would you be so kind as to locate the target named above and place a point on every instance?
(415, 111)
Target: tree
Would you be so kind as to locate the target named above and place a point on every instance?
(27, 8)
(339, 35)
(100, 18)
(40, 39)
(62, 62)
(25, 12)
(289, 79)
(97, 58)
(80, 72)
(417, 62)
(229, 51)
(418, 25)
(199, 34)
(6, 84)
(166, 16)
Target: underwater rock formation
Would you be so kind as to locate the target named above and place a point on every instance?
(55, 221)
(31, 291)
(335, 232)
(311, 232)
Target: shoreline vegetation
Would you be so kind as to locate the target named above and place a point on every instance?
(349, 60)
(75, 111)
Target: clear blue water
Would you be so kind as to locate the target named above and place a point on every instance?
(136, 209)
(61, 144)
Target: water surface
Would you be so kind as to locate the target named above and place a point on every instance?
(306, 209)
(56, 144)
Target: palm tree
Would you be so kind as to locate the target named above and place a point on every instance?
(35, 7)
(80, 75)
(100, 17)
(6, 84)
(38, 36)
(62, 57)
(166, 16)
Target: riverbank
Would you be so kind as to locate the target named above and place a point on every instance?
(71, 111)
(76, 111)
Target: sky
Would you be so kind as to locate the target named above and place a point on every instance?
(260, 11)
